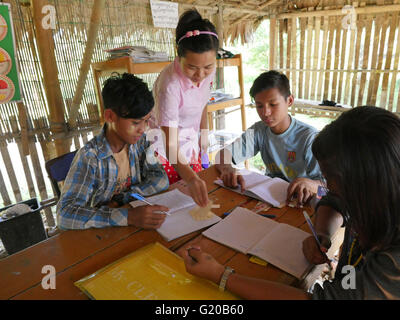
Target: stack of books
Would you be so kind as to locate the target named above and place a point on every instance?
(138, 54)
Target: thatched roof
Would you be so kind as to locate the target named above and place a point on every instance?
(242, 17)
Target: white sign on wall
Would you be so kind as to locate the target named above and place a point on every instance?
(165, 14)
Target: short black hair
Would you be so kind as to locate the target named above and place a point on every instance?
(128, 96)
(360, 152)
(271, 79)
(191, 20)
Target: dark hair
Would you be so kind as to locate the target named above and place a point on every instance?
(360, 152)
(191, 20)
(127, 95)
(269, 80)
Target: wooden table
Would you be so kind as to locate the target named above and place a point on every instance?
(78, 253)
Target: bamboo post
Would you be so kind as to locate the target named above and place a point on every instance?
(272, 43)
(220, 120)
(45, 44)
(288, 46)
(281, 44)
(97, 11)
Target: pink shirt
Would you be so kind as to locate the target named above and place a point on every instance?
(179, 104)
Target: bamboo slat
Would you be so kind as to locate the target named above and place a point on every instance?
(367, 43)
(310, 26)
(315, 57)
(375, 48)
(294, 56)
(303, 25)
(323, 57)
(360, 27)
(325, 94)
(3, 191)
(389, 54)
(10, 171)
(396, 67)
(342, 75)
(382, 46)
(338, 35)
(40, 182)
(351, 58)
(25, 166)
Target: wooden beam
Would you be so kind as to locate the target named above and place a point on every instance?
(339, 12)
(45, 44)
(97, 12)
(260, 7)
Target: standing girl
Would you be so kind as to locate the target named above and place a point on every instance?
(181, 93)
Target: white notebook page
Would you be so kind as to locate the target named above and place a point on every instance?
(282, 247)
(174, 200)
(241, 229)
(273, 191)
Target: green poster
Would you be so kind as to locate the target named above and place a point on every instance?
(10, 89)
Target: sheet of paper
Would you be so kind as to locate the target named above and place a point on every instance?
(241, 229)
(274, 192)
(181, 223)
(165, 14)
(174, 200)
(275, 249)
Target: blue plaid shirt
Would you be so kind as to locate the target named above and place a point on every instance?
(92, 178)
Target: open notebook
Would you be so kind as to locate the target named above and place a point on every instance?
(277, 243)
(263, 188)
(179, 222)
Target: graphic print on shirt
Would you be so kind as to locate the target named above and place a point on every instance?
(291, 156)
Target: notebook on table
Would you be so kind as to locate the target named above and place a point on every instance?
(277, 243)
(179, 222)
(262, 187)
(150, 273)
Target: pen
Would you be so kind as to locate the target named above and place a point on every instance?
(307, 217)
(140, 198)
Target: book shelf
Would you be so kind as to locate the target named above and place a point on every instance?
(125, 64)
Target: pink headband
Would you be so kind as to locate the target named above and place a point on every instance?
(196, 33)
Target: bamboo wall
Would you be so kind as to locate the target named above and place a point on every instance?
(326, 60)
(123, 23)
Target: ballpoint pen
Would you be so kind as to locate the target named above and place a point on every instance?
(307, 217)
(140, 198)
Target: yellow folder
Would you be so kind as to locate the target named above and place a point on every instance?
(150, 273)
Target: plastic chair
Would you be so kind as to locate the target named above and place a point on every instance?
(58, 168)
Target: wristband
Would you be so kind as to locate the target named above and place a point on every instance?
(228, 271)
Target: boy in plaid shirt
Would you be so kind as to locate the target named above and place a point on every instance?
(114, 164)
